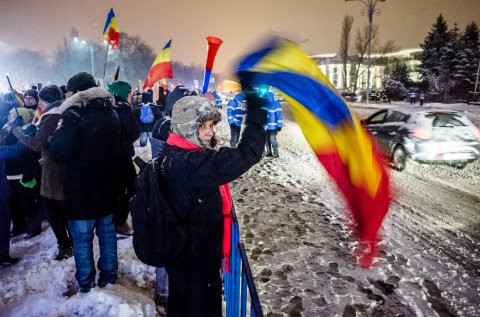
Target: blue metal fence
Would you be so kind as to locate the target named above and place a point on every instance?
(240, 280)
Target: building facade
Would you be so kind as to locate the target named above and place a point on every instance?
(381, 66)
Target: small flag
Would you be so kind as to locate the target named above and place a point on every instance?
(115, 77)
(111, 32)
(161, 67)
(334, 133)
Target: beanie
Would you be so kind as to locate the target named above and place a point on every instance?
(147, 97)
(32, 93)
(119, 89)
(80, 82)
(189, 113)
(50, 93)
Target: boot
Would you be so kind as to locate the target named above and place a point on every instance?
(7, 261)
(63, 253)
(275, 150)
(124, 230)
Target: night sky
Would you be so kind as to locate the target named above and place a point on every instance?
(42, 24)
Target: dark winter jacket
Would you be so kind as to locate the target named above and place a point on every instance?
(235, 111)
(148, 127)
(130, 128)
(52, 172)
(24, 162)
(191, 179)
(8, 152)
(88, 142)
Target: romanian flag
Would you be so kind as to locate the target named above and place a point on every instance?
(111, 31)
(161, 67)
(334, 133)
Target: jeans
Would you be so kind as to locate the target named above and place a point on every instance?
(161, 283)
(234, 135)
(144, 136)
(5, 220)
(82, 238)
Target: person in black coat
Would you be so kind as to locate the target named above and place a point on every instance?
(195, 176)
(87, 140)
(130, 132)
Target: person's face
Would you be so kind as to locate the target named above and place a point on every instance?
(136, 98)
(42, 104)
(30, 101)
(68, 94)
(206, 131)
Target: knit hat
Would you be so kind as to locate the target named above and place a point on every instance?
(50, 93)
(80, 82)
(147, 97)
(119, 89)
(32, 93)
(189, 113)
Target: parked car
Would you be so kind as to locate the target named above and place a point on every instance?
(349, 96)
(425, 135)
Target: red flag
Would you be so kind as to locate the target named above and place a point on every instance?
(161, 67)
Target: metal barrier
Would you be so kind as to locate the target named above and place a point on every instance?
(239, 280)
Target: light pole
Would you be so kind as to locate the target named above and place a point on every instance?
(90, 48)
(370, 4)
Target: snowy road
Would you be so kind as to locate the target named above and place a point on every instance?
(295, 228)
(299, 243)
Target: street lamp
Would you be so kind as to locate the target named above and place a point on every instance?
(90, 48)
(370, 4)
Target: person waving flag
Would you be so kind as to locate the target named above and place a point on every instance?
(334, 133)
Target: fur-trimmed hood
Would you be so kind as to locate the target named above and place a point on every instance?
(83, 98)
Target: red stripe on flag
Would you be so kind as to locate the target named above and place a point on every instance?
(368, 212)
(158, 72)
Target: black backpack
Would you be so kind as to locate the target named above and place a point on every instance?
(158, 238)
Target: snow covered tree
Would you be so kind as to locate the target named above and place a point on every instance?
(434, 42)
(467, 59)
(397, 84)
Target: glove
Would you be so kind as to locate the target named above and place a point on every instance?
(18, 122)
(256, 112)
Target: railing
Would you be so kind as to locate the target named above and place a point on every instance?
(239, 280)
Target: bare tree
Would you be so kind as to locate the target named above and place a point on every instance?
(361, 46)
(345, 45)
(388, 62)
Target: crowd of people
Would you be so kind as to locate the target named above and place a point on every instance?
(66, 156)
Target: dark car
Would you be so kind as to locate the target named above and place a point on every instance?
(425, 135)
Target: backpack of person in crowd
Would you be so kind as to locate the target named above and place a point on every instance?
(146, 114)
(157, 237)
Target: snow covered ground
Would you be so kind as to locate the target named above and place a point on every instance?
(298, 238)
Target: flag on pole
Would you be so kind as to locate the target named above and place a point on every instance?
(117, 72)
(333, 131)
(111, 32)
(161, 67)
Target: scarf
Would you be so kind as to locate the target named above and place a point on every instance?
(178, 141)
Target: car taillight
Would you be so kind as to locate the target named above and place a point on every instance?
(477, 133)
(422, 134)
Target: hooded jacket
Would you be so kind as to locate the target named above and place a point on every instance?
(88, 141)
(130, 128)
(274, 116)
(191, 179)
(235, 111)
